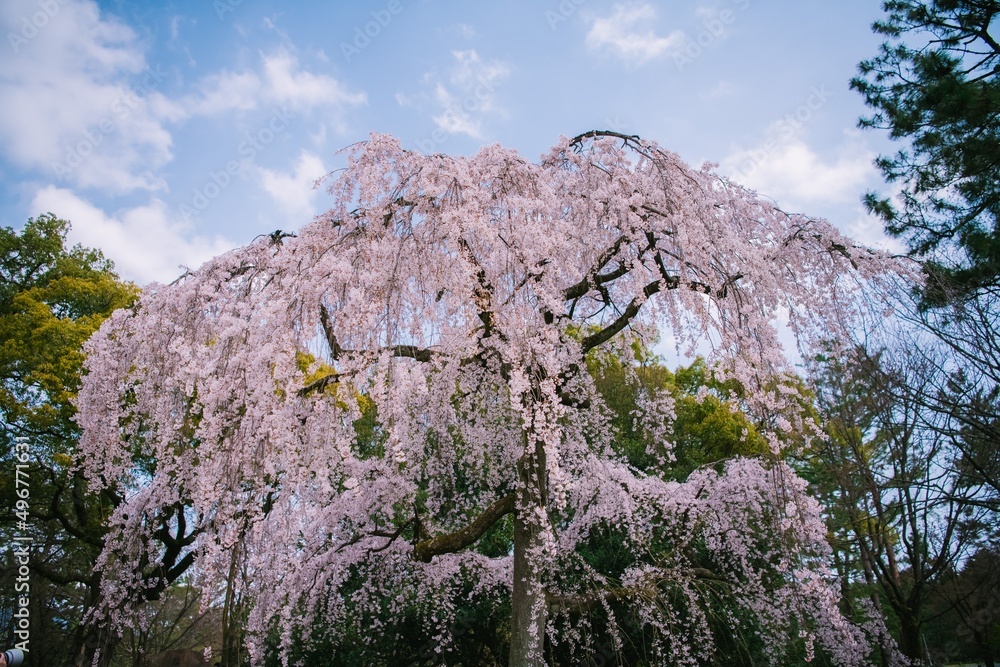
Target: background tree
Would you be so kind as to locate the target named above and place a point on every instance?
(175, 622)
(964, 389)
(901, 512)
(936, 84)
(965, 611)
(705, 429)
(52, 298)
(450, 294)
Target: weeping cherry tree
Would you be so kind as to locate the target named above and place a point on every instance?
(366, 399)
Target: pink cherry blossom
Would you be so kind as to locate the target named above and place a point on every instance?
(458, 297)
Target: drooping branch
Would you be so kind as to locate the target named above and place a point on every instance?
(390, 537)
(449, 543)
(585, 602)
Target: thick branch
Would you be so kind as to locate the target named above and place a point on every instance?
(608, 332)
(425, 550)
(411, 352)
(331, 338)
(58, 577)
(595, 134)
(593, 278)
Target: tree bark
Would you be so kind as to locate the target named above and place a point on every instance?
(528, 608)
(910, 641)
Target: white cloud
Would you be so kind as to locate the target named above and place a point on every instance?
(286, 83)
(281, 81)
(144, 242)
(80, 102)
(82, 106)
(295, 192)
(453, 119)
(224, 92)
(460, 103)
(621, 34)
(785, 167)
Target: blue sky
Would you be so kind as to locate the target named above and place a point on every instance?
(170, 132)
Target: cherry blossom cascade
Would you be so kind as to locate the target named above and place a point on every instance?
(364, 399)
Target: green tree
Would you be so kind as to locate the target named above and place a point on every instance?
(705, 430)
(965, 622)
(902, 516)
(52, 298)
(935, 84)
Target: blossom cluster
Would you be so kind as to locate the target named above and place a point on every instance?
(318, 403)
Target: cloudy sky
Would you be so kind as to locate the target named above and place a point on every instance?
(169, 132)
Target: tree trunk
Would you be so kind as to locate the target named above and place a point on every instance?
(528, 609)
(910, 642)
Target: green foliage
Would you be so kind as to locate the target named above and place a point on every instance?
(964, 614)
(901, 515)
(52, 298)
(708, 428)
(936, 84)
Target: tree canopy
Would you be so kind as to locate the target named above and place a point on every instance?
(366, 399)
(935, 84)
